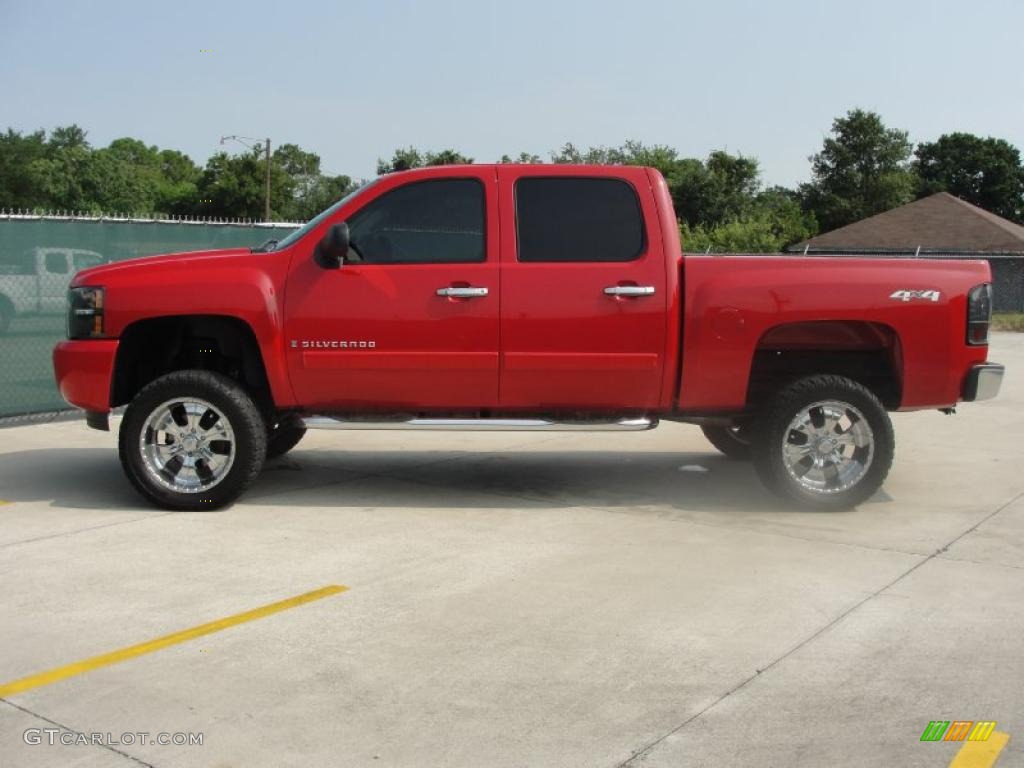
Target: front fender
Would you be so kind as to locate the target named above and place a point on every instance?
(245, 287)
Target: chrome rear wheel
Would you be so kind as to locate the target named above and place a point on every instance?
(824, 442)
(828, 447)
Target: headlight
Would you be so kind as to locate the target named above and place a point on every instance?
(85, 313)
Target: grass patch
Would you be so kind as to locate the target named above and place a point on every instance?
(1008, 321)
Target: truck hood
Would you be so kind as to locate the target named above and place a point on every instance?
(190, 261)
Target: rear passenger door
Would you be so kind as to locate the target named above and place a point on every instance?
(583, 290)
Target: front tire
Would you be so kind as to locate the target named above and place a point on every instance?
(826, 442)
(192, 440)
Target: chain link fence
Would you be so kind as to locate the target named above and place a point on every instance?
(38, 257)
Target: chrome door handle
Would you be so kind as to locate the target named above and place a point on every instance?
(629, 290)
(462, 293)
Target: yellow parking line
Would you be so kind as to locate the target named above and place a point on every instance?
(981, 754)
(4, 501)
(123, 654)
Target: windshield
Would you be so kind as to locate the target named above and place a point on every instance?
(299, 233)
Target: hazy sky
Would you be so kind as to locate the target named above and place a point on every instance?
(353, 80)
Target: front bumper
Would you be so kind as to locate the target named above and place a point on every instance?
(983, 382)
(84, 371)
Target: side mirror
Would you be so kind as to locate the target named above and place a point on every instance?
(331, 250)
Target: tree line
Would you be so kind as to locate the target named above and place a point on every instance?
(863, 167)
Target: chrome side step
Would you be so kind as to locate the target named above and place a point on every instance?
(503, 425)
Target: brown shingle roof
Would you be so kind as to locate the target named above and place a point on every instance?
(940, 222)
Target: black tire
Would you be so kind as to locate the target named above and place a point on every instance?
(247, 450)
(774, 427)
(733, 441)
(282, 439)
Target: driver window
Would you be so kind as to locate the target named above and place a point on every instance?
(426, 222)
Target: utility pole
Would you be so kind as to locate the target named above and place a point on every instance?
(244, 141)
(266, 202)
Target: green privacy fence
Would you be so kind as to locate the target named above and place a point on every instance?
(38, 257)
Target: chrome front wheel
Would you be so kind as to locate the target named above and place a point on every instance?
(192, 440)
(188, 445)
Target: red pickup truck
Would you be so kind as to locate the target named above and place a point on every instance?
(517, 297)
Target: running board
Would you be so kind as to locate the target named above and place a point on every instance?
(486, 425)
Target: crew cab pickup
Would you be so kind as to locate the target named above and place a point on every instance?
(517, 297)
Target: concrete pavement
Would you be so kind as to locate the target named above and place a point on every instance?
(522, 599)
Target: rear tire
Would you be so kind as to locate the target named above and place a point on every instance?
(192, 440)
(825, 442)
(282, 439)
(733, 441)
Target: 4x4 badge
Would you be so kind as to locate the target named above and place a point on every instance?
(907, 295)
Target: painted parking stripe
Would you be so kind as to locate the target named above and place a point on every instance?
(981, 754)
(123, 654)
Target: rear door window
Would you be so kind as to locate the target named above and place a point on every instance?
(569, 219)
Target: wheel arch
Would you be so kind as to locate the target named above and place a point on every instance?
(867, 352)
(155, 346)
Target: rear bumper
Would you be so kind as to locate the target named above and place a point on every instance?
(84, 370)
(983, 382)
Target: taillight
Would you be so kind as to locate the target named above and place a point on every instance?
(979, 314)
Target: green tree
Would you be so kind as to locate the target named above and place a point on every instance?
(447, 157)
(862, 169)
(305, 189)
(324, 192)
(790, 222)
(18, 153)
(720, 189)
(771, 221)
(410, 157)
(986, 172)
(297, 173)
(522, 158)
(233, 186)
(753, 233)
(177, 189)
(59, 175)
(401, 160)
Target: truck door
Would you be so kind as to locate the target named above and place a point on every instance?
(583, 305)
(410, 321)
